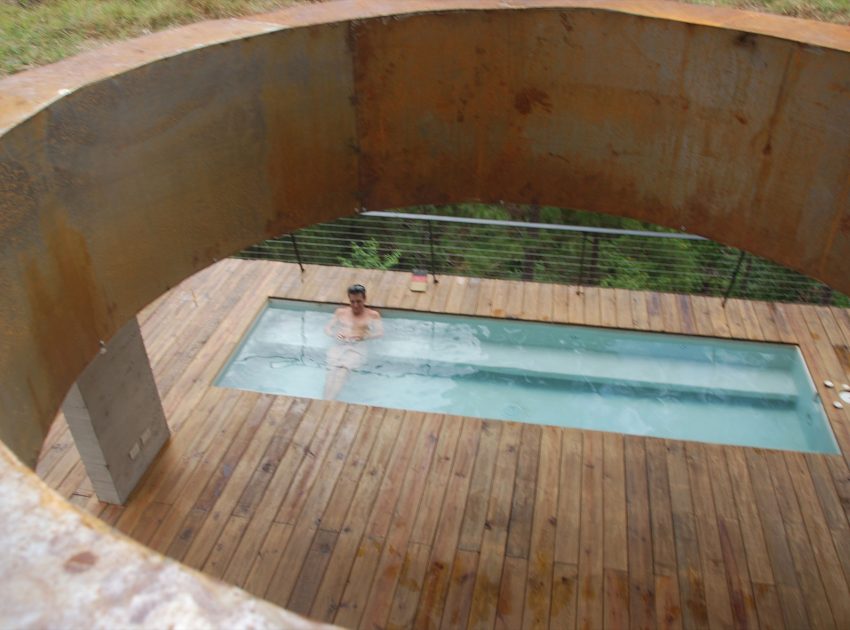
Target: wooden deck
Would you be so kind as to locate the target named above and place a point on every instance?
(380, 518)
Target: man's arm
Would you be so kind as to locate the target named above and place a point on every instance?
(329, 328)
(377, 327)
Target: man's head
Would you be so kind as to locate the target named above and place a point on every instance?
(357, 298)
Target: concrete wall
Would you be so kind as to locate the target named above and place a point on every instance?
(125, 170)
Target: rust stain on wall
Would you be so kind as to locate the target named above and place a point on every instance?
(67, 314)
(526, 100)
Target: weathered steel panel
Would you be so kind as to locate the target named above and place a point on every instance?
(129, 184)
(123, 171)
(691, 127)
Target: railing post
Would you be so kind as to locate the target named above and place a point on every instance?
(433, 258)
(581, 261)
(297, 253)
(734, 277)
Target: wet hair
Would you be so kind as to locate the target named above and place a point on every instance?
(357, 289)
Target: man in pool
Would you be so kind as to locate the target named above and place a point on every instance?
(351, 326)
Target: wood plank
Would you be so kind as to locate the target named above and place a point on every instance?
(149, 522)
(378, 606)
(529, 307)
(592, 306)
(509, 609)
(569, 499)
(687, 318)
(514, 298)
(545, 302)
(470, 296)
(640, 314)
(654, 311)
(668, 610)
(833, 504)
(62, 468)
(538, 594)
(522, 508)
(316, 561)
(767, 604)
(459, 595)
(823, 546)
(718, 317)
(435, 488)
(436, 581)
(623, 305)
(485, 592)
(260, 527)
(764, 314)
(195, 326)
(329, 595)
(479, 491)
(735, 319)
(237, 467)
(608, 308)
(499, 299)
(591, 595)
(456, 294)
(616, 599)
(286, 414)
(576, 306)
(338, 417)
(614, 504)
(640, 575)
(790, 596)
(565, 586)
(269, 551)
(701, 316)
(224, 546)
(714, 570)
(306, 515)
(484, 305)
(661, 511)
(179, 457)
(352, 472)
(205, 479)
(56, 443)
(750, 320)
(749, 517)
(670, 316)
(689, 566)
(561, 303)
(820, 356)
(409, 586)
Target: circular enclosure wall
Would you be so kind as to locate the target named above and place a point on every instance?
(125, 170)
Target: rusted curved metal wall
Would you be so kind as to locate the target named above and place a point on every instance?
(126, 170)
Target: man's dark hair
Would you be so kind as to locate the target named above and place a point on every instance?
(357, 289)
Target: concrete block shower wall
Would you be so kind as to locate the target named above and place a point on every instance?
(127, 169)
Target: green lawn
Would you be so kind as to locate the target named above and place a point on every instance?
(36, 32)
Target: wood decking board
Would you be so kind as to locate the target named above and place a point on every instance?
(382, 518)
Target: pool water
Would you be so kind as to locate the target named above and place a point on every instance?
(672, 386)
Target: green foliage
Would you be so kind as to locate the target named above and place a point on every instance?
(35, 33)
(368, 256)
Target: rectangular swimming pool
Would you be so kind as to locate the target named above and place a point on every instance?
(673, 386)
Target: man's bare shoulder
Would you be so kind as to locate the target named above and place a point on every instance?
(373, 314)
(342, 310)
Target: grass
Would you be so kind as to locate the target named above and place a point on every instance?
(38, 32)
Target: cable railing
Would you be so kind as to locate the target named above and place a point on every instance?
(543, 252)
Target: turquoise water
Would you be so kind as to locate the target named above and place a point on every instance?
(672, 386)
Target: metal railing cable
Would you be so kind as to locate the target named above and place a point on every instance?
(543, 252)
